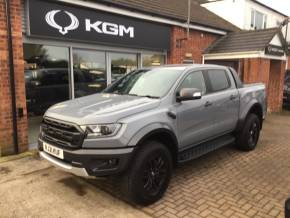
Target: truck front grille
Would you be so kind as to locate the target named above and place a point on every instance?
(62, 134)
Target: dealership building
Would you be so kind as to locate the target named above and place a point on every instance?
(52, 51)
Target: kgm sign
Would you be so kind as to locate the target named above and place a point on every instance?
(62, 21)
(98, 26)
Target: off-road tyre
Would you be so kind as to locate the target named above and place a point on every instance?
(248, 136)
(149, 174)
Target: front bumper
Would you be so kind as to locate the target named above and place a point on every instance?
(90, 162)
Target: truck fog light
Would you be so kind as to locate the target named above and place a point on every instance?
(104, 164)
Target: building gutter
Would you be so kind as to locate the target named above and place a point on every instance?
(240, 55)
(142, 16)
(12, 79)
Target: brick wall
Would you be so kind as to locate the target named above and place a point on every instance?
(198, 41)
(6, 127)
(269, 72)
(276, 83)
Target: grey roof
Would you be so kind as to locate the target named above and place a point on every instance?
(253, 40)
(175, 10)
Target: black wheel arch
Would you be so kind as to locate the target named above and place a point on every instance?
(256, 109)
(164, 136)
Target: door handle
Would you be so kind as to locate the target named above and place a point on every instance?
(233, 97)
(207, 104)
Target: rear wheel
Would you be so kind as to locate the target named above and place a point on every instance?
(248, 137)
(148, 177)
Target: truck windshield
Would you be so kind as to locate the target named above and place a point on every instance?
(152, 83)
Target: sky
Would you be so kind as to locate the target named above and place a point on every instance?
(279, 5)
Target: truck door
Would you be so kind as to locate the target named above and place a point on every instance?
(194, 117)
(224, 98)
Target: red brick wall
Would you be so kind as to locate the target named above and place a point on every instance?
(6, 128)
(256, 70)
(269, 72)
(198, 41)
(276, 83)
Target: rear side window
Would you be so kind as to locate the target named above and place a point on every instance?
(218, 80)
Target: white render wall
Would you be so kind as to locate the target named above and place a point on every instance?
(232, 11)
(272, 16)
(238, 12)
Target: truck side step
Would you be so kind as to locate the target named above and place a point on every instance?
(203, 148)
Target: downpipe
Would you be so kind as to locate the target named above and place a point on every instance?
(12, 76)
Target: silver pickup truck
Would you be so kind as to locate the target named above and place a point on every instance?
(149, 121)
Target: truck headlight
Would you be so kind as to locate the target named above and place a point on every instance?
(102, 130)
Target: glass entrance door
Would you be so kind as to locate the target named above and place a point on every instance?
(121, 64)
(89, 72)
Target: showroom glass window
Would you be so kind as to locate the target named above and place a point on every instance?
(46, 81)
(149, 60)
(89, 69)
(121, 64)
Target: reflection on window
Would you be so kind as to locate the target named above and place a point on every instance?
(89, 72)
(152, 60)
(46, 76)
(46, 81)
(122, 64)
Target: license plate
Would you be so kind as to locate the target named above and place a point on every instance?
(53, 150)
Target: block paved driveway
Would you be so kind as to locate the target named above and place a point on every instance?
(224, 183)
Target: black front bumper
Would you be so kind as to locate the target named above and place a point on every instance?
(94, 162)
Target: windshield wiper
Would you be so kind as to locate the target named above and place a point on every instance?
(146, 96)
(149, 96)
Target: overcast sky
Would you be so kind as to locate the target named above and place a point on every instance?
(279, 5)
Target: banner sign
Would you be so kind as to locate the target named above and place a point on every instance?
(51, 19)
(274, 50)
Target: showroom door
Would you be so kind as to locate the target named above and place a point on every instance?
(121, 64)
(89, 72)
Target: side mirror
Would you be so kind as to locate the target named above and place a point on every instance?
(188, 94)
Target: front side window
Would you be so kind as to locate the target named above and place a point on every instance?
(218, 80)
(151, 83)
(194, 80)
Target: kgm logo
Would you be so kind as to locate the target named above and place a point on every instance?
(49, 17)
(97, 26)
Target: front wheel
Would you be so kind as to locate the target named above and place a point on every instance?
(148, 177)
(248, 137)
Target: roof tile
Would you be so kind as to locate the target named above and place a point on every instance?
(175, 9)
(253, 40)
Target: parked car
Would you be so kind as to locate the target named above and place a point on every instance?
(286, 93)
(149, 121)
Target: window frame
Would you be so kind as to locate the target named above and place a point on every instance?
(209, 84)
(253, 19)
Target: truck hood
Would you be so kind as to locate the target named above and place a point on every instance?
(100, 108)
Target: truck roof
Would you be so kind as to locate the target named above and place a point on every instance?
(187, 66)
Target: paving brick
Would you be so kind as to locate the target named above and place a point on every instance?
(228, 183)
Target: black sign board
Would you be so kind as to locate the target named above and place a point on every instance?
(274, 50)
(52, 19)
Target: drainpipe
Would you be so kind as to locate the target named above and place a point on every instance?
(12, 81)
